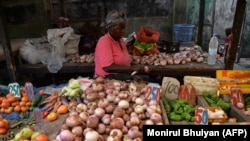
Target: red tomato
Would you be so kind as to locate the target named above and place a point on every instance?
(3, 131)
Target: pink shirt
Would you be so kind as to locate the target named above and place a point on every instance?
(108, 52)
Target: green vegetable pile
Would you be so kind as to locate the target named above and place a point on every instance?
(179, 110)
(247, 100)
(213, 100)
(73, 89)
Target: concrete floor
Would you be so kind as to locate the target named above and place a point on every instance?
(244, 63)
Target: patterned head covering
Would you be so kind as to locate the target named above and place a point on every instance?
(115, 17)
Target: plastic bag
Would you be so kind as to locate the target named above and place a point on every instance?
(34, 52)
(65, 40)
(145, 43)
(147, 35)
(71, 46)
(55, 62)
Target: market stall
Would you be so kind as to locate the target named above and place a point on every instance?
(98, 109)
(103, 108)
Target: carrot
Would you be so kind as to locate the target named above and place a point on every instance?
(49, 99)
(56, 106)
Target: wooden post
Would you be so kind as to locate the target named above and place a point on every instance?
(4, 40)
(236, 31)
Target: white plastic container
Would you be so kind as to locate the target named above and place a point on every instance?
(212, 50)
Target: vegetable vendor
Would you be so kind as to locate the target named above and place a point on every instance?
(111, 50)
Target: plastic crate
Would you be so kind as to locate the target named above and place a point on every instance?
(183, 33)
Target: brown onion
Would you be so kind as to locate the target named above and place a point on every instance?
(106, 119)
(92, 136)
(86, 130)
(116, 132)
(99, 79)
(77, 130)
(118, 112)
(84, 116)
(117, 123)
(133, 132)
(92, 97)
(156, 118)
(92, 121)
(78, 139)
(108, 91)
(72, 105)
(64, 126)
(73, 120)
(126, 117)
(101, 128)
(103, 103)
(109, 109)
(124, 129)
(66, 135)
(99, 112)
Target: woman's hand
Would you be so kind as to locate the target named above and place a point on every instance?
(146, 69)
(139, 68)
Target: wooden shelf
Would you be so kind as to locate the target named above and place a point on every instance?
(197, 69)
(67, 68)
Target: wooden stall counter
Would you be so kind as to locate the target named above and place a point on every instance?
(192, 68)
(67, 68)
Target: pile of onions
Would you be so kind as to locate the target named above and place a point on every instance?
(116, 110)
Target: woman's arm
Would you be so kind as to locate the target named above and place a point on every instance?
(114, 68)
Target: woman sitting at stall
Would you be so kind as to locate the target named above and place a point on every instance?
(111, 50)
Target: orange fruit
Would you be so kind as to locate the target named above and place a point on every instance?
(3, 131)
(8, 110)
(24, 109)
(52, 116)
(5, 104)
(42, 137)
(17, 108)
(25, 99)
(22, 103)
(63, 109)
(6, 123)
(9, 95)
(42, 92)
(2, 110)
(2, 124)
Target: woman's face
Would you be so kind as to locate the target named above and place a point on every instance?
(117, 31)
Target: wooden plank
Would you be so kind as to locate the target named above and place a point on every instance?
(238, 114)
(192, 68)
(67, 68)
(201, 101)
(200, 69)
(4, 39)
(164, 114)
(236, 31)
